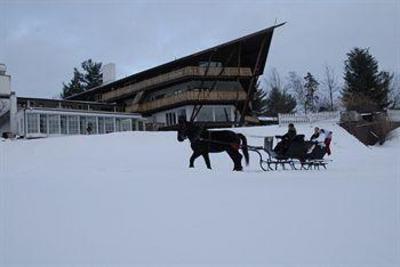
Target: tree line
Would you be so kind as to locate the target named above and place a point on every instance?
(364, 88)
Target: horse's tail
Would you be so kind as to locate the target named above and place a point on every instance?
(245, 149)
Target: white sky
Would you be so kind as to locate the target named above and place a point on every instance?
(41, 41)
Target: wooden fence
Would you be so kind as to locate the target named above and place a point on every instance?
(309, 118)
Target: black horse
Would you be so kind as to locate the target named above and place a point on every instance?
(203, 142)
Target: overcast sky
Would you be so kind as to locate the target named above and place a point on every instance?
(42, 41)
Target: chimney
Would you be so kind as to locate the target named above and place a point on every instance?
(5, 81)
(108, 72)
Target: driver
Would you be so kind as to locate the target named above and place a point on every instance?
(287, 138)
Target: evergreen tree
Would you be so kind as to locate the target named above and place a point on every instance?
(365, 89)
(259, 101)
(279, 101)
(311, 87)
(92, 75)
(75, 86)
(82, 81)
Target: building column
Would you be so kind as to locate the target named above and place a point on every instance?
(13, 113)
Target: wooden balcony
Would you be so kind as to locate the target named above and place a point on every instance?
(177, 74)
(188, 98)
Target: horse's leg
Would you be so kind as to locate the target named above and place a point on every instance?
(194, 156)
(236, 158)
(207, 160)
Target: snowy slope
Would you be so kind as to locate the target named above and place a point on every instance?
(129, 198)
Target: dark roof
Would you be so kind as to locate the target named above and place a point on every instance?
(249, 45)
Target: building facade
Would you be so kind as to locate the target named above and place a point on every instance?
(41, 117)
(213, 86)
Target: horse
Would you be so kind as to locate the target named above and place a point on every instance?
(204, 142)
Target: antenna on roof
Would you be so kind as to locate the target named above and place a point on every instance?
(276, 20)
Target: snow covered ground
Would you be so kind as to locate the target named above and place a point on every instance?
(129, 199)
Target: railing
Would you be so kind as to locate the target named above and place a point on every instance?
(394, 115)
(184, 72)
(198, 96)
(309, 118)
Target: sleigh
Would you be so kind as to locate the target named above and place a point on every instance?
(296, 155)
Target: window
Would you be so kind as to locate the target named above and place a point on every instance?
(91, 125)
(222, 114)
(125, 124)
(32, 122)
(205, 114)
(43, 123)
(182, 114)
(140, 125)
(63, 124)
(170, 118)
(82, 124)
(109, 124)
(117, 124)
(134, 125)
(73, 126)
(54, 121)
(101, 125)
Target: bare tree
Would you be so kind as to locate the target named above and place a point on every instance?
(330, 84)
(296, 86)
(395, 91)
(274, 79)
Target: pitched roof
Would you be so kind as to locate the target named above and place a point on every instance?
(249, 47)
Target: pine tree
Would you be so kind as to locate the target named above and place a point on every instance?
(92, 76)
(259, 102)
(75, 86)
(311, 87)
(279, 101)
(365, 89)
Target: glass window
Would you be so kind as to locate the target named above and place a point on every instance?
(91, 125)
(101, 125)
(118, 124)
(125, 124)
(222, 114)
(82, 124)
(205, 114)
(182, 114)
(73, 126)
(54, 124)
(32, 123)
(43, 123)
(134, 125)
(63, 124)
(140, 125)
(109, 124)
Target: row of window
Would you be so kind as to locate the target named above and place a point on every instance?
(218, 114)
(172, 118)
(75, 124)
(206, 114)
